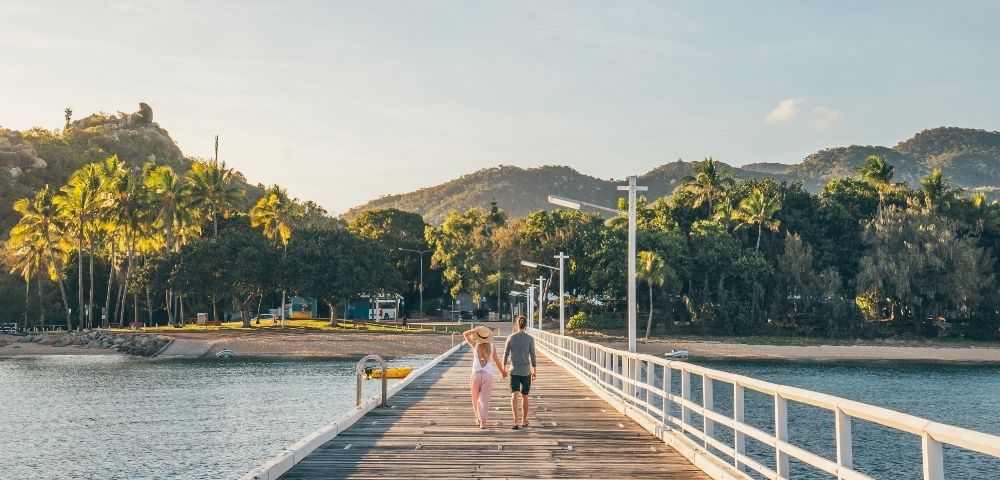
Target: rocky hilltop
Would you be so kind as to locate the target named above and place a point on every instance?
(36, 157)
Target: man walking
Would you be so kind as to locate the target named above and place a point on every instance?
(520, 351)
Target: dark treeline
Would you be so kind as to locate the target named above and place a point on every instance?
(118, 244)
(864, 257)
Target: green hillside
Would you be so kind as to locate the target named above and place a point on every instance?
(37, 157)
(971, 157)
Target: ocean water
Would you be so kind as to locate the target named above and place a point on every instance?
(111, 417)
(962, 395)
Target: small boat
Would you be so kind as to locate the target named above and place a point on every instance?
(676, 354)
(226, 353)
(391, 372)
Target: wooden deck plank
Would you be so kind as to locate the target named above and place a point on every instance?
(430, 433)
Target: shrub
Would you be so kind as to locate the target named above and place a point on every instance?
(596, 321)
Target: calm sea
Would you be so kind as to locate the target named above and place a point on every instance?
(119, 418)
(109, 417)
(962, 395)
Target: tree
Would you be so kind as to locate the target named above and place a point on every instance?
(924, 269)
(40, 222)
(169, 198)
(462, 249)
(213, 194)
(937, 190)
(401, 234)
(708, 184)
(213, 191)
(335, 265)
(275, 214)
(877, 172)
(759, 209)
(68, 116)
(652, 269)
(78, 206)
(26, 257)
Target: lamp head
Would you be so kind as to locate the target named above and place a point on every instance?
(564, 202)
(529, 264)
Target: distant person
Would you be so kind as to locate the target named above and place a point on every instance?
(481, 381)
(520, 350)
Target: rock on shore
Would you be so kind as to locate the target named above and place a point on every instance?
(139, 344)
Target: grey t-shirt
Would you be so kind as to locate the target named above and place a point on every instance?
(520, 349)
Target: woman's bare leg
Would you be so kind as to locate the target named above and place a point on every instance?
(474, 388)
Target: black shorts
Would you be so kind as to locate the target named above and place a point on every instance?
(520, 383)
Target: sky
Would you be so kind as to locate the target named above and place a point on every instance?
(343, 102)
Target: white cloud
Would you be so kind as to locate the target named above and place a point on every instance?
(785, 111)
(824, 118)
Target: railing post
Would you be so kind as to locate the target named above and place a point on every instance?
(739, 438)
(667, 374)
(781, 433)
(707, 400)
(845, 449)
(933, 458)
(614, 371)
(686, 395)
(628, 369)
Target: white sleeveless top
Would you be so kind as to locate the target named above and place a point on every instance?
(477, 367)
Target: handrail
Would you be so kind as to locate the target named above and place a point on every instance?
(359, 370)
(619, 374)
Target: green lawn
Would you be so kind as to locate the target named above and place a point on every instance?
(303, 325)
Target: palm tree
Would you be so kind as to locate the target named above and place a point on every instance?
(652, 269)
(78, 206)
(878, 173)
(27, 259)
(213, 192)
(274, 213)
(127, 212)
(937, 190)
(40, 222)
(708, 184)
(108, 230)
(984, 213)
(759, 209)
(169, 197)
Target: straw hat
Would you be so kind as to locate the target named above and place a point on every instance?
(483, 334)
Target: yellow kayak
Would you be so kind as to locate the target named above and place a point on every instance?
(392, 372)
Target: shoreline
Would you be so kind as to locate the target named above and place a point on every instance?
(716, 350)
(269, 344)
(318, 345)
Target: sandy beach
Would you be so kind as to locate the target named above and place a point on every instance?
(276, 343)
(261, 344)
(739, 351)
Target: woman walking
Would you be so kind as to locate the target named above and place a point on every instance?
(483, 359)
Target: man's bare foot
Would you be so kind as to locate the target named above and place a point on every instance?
(525, 424)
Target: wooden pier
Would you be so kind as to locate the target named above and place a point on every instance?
(429, 432)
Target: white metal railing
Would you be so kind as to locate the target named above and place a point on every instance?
(619, 374)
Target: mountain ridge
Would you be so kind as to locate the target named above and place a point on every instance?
(970, 156)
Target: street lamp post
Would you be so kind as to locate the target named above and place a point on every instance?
(541, 300)
(562, 285)
(530, 289)
(632, 188)
(421, 254)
